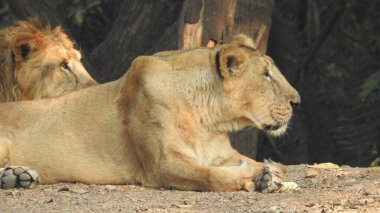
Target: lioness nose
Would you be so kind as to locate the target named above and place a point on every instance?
(295, 99)
(294, 104)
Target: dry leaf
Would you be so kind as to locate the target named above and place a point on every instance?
(79, 191)
(183, 205)
(324, 166)
(311, 173)
(286, 186)
(64, 189)
(12, 193)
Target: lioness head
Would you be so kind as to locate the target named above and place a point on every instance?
(256, 89)
(39, 62)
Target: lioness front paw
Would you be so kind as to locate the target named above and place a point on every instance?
(17, 177)
(271, 178)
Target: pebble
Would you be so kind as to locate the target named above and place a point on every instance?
(110, 187)
(275, 209)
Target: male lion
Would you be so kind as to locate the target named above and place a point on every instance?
(38, 62)
(163, 124)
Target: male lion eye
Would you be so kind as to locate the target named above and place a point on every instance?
(65, 66)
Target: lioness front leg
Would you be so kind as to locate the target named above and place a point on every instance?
(190, 176)
(267, 176)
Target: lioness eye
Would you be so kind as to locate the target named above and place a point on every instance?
(65, 66)
(268, 74)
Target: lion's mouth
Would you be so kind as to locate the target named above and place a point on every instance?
(275, 129)
(269, 127)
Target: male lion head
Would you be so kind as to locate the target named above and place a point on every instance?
(258, 93)
(39, 62)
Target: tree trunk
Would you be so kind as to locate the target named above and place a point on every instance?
(212, 22)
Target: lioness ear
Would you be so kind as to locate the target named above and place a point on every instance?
(244, 40)
(231, 60)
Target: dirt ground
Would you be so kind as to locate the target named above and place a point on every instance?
(344, 189)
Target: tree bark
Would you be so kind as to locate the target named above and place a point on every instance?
(43, 9)
(137, 30)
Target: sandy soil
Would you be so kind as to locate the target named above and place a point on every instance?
(335, 190)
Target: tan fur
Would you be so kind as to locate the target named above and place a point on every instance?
(39, 72)
(163, 124)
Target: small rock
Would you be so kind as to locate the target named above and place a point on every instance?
(310, 204)
(110, 187)
(50, 200)
(366, 201)
(311, 173)
(275, 209)
(345, 203)
(328, 181)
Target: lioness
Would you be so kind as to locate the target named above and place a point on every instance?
(163, 124)
(38, 62)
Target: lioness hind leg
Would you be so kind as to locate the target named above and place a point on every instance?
(17, 177)
(271, 178)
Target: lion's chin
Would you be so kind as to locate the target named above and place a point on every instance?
(276, 130)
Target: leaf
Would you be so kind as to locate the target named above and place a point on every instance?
(64, 189)
(286, 186)
(369, 85)
(183, 205)
(375, 162)
(324, 166)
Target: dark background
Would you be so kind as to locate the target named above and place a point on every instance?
(328, 49)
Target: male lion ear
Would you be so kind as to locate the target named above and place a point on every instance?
(231, 60)
(21, 51)
(24, 50)
(244, 40)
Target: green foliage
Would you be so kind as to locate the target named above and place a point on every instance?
(375, 162)
(334, 71)
(79, 9)
(6, 15)
(370, 85)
